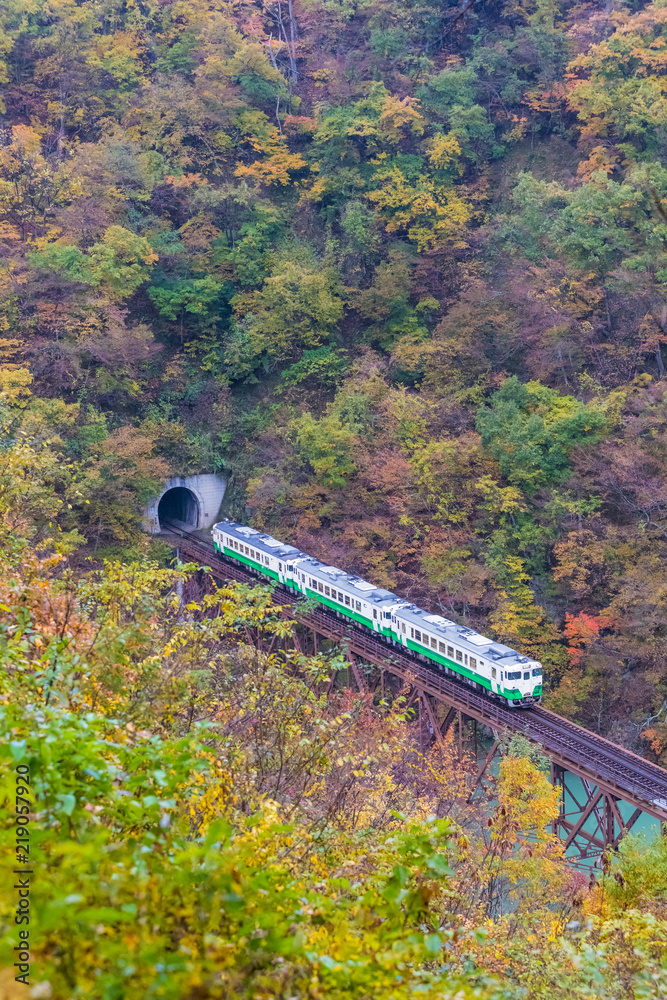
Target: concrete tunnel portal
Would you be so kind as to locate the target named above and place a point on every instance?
(193, 500)
(179, 504)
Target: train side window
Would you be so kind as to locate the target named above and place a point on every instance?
(403, 626)
(465, 658)
(493, 672)
(459, 656)
(326, 591)
(375, 614)
(450, 652)
(320, 586)
(358, 603)
(418, 636)
(442, 647)
(434, 643)
(347, 600)
(412, 633)
(473, 663)
(340, 597)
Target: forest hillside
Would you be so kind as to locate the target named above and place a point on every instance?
(398, 270)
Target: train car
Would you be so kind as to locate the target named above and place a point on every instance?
(453, 649)
(347, 595)
(481, 662)
(256, 550)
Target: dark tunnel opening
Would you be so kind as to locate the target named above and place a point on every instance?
(179, 504)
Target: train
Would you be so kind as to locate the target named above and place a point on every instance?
(484, 664)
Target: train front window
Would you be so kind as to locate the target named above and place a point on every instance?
(538, 672)
(526, 675)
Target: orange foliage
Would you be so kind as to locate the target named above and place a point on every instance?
(581, 630)
(601, 158)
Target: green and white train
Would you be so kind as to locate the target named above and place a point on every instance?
(453, 649)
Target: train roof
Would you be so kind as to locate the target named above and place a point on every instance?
(344, 581)
(259, 540)
(348, 582)
(466, 638)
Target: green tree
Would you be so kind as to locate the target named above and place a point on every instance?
(327, 444)
(296, 307)
(531, 430)
(118, 265)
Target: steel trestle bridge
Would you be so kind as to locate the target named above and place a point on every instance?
(613, 787)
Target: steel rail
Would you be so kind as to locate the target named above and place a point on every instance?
(615, 770)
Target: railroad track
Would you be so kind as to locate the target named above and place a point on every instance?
(614, 769)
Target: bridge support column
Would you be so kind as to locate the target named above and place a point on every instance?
(590, 819)
(358, 676)
(437, 729)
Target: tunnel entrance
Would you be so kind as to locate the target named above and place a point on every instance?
(179, 504)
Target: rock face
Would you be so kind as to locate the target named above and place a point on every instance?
(194, 501)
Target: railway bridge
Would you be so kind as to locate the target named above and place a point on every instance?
(606, 789)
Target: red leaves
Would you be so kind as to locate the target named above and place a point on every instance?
(581, 630)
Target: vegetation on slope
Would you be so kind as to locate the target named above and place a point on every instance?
(206, 822)
(397, 268)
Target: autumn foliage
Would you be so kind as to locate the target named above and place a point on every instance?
(398, 271)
